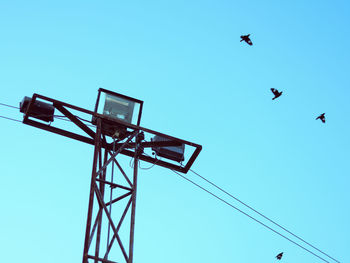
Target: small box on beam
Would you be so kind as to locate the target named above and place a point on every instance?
(175, 153)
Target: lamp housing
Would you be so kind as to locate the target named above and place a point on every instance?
(39, 110)
(112, 106)
(175, 153)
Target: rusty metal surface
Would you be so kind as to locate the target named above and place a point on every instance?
(105, 155)
(118, 198)
(101, 202)
(98, 183)
(92, 190)
(114, 185)
(75, 120)
(128, 151)
(118, 227)
(133, 199)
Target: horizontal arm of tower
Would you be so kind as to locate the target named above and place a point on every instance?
(59, 131)
(57, 102)
(75, 120)
(109, 146)
(128, 150)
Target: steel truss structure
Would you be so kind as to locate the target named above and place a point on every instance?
(98, 185)
(105, 158)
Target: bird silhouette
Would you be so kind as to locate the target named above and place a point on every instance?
(246, 39)
(279, 256)
(322, 117)
(276, 93)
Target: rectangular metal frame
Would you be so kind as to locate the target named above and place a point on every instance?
(132, 146)
(122, 96)
(63, 108)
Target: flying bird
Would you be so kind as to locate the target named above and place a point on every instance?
(322, 117)
(279, 256)
(246, 39)
(276, 93)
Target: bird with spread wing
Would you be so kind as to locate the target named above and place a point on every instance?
(246, 39)
(276, 93)
(322, 117)
(279, 256)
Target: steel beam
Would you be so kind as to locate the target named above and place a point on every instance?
(133, 146)
(92, 190)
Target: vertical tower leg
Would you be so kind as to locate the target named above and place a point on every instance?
(133, 200)
(92, 187)
(96, 230)
(99, 215)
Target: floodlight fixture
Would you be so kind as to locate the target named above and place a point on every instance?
(112, 106)
(175, 153)
(38, 109)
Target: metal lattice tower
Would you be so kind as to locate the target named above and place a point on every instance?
(112, 198)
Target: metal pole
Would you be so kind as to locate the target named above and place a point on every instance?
(133, 198)
(102, 189)
(91, 196)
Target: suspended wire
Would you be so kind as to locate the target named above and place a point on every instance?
(10, 118)
(219, 188)
(6, 105)
(153, 164)
(82, 119)
(63, 118)
(222, 190)
(148, 168)
(60, 117)
(3, 104)
(131, 162)
(55, 116)
(251, 217)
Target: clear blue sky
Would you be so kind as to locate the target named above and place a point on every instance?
(199, 83)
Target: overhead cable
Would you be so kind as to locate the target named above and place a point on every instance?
(251, 217)
(9, 118)
(222, 190)
(60, 117)
(3, 104)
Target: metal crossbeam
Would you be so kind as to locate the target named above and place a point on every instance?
(105, 155)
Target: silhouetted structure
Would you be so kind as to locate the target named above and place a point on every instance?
(276, 93)
(116, 131)
(322, 117)
(246, 39)
(279, 256)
